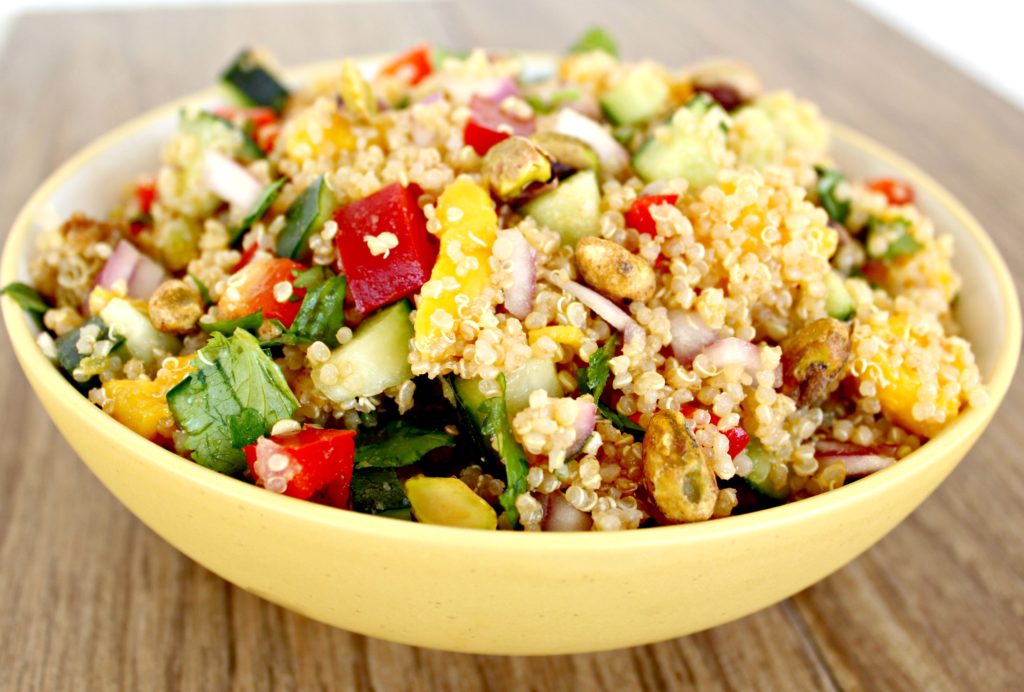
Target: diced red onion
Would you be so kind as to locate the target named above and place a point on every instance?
(560, 515)
(612, 155)
(502, 89)
(605, 309)
(146, 278)
(864, 464)
(586, 419)
(433, 97)
(140, 274)
(834, 448)
(519, 296)
(230, 181)
(734, 351)
(492, 88)
(690, 334)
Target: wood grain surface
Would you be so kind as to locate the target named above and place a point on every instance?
(91, 599)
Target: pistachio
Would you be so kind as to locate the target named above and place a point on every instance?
(615, 271)
(449, 502)
(813, 359)
(356, 92)
(568, 151)
(513, 164)
(175, 307)
(677, 475)
(729, 82)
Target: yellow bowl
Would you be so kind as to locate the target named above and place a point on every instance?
(498, 592)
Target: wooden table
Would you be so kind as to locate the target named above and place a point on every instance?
(92, 599)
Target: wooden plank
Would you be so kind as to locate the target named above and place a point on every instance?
(92, 599)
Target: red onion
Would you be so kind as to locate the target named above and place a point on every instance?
(493, 89)
(586, 419)
(690, 334)
(734, 351)
(230, 181)
(605, 309)
(140, 274)
(612, 155)
(433, 97)
(864, 464)
(560, 515)
(834, 448)
(519, 296)
(501, 89)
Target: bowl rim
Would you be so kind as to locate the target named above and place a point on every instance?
(970, 422)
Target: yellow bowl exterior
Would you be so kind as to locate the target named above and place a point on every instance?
(498, 592)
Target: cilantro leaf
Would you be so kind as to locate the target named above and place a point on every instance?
(26, 296)
(248, 322)
(399, 444)
(828, 179)
(902, 244)
(596, 38)
(623, 423)
(593, 378)
(236, 395)
(322, 312)
(377, 491)
(204, 292)
(493, 415)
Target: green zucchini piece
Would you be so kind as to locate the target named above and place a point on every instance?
(253, 84)
(308, 212)
(640, 96)
(573, 209)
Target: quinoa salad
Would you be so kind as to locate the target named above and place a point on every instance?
(510, 291)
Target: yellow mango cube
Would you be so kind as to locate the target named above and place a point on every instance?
(142, 404)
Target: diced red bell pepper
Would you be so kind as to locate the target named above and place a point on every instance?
(252, 288)
(412, 66)
(246, 257)
(145, 195)
(638, 216)
(898, 192)
(305, 462)
(737, 436)
(262, 123)
(376, 280)
(488, 125)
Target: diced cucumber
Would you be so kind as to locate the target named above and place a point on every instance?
(536, 373)
(375, 359)
(760, 478)
(210, 129)
(68, 356)
(573, 209)
(838, 302)
(678, 156)
(308, 212)
(640, 96)
(253, 83)
(142, 340)
(469, 398)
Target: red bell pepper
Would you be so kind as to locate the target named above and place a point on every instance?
(145, 195)
(261, 122)
(379, 279)
(898, 192)
(412, 66)
(488, 125)
(252, 288)
(305, 462)
(246, 257)
(737, 436)
(638, 216)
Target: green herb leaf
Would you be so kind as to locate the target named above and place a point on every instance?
(828, 179)
(377, 491)
(596, 38)
(26, 296)
(553, 102)
(623, 423)
(321, 314)
(594, 376)
(399, 444)
(439, 55)
(249, 323)
(493, 415)
(312, 277)
(204, 292)
(259, 208)
(236, 395)
(309, 211)
(902, 243)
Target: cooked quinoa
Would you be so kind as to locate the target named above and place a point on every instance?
(357, 290)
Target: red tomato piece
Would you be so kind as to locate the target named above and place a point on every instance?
(639, 215)
(412, 66)
(376, 280)
(305, 462)
(246, 257)
(488, 125)
(898, 192)
(145, 195)
(738, 437)
(252, 288)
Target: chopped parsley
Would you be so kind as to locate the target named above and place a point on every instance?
(493, 415)
(399, 444)
(828, 180)
(593, 378)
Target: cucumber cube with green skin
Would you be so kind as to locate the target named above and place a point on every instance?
(375, 359)
(143, 341)
(640, 96)
(209, 129)
(838, 301)
(573, 209)
(253, 84)
(759, 478)
(310, 211)
(536, 373)
(678, 156)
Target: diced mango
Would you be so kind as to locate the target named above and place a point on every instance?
(449, 502)
(468, 228)
(309, 137)
(142, 404)
(99, 297)
(560, 334)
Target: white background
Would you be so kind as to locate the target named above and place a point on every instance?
(981, 37)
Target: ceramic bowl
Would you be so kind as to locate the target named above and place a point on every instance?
(501, 592)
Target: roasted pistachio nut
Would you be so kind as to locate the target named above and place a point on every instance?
(813, 358)
(615, 271)
(677, 475)
(513, 164)
(722, 76)
(175, 307)
(567, 150)
(356, 93)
